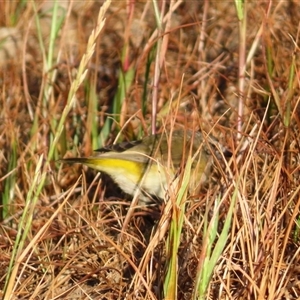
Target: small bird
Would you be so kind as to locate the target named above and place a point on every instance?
(150, 165)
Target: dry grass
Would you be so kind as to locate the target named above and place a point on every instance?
(62, 230)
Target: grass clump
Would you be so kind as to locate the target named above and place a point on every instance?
(71, 83)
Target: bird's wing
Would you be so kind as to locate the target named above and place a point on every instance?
(138, 151)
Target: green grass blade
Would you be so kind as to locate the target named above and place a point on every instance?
(173, 242)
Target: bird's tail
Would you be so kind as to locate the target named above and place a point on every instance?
(74, 160)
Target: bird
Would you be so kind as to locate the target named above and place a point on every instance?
(151, 165)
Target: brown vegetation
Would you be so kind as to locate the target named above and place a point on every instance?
(78, 242)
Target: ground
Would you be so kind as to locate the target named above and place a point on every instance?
(68, 232)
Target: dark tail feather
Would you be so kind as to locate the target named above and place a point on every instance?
(74, 160)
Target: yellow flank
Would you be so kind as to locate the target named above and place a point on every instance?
(133, 170)
(132, 175)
